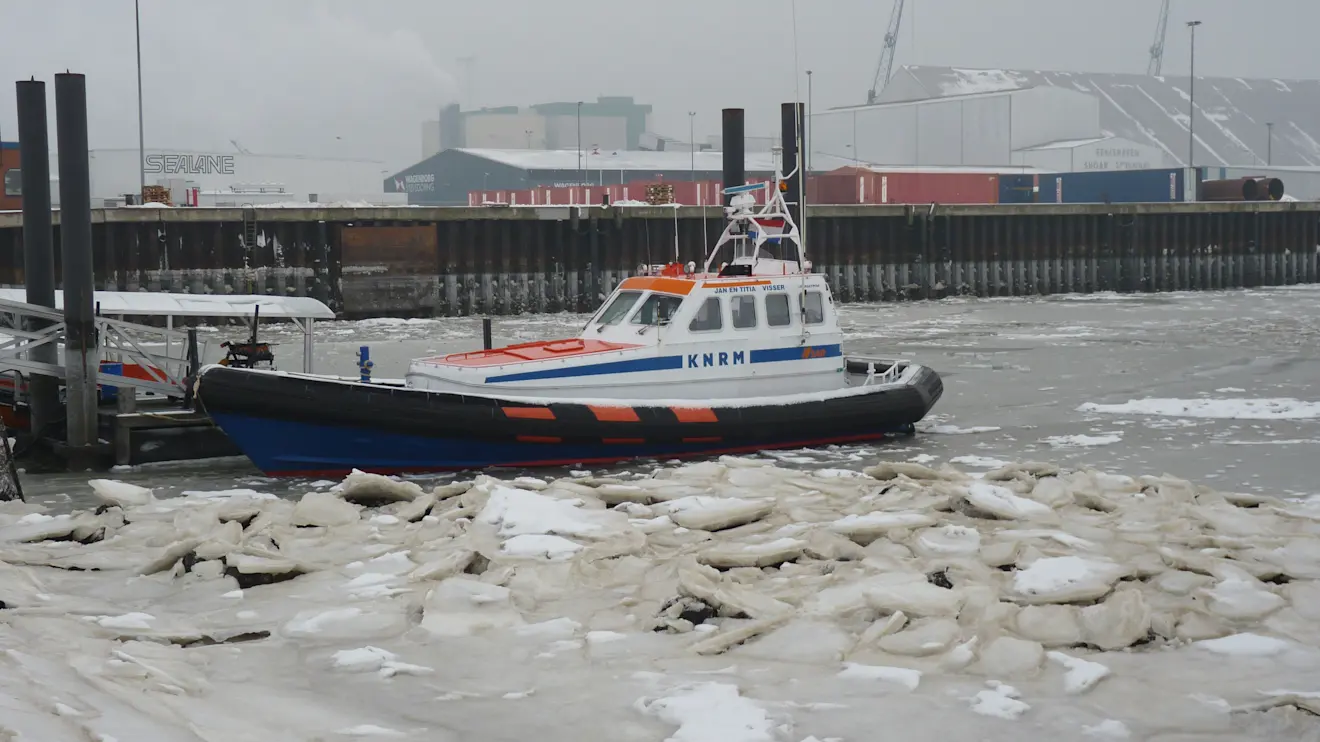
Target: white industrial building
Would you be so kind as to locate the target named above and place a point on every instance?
(235, 178)
(1043, 127)
(1075, 121)
(609, 122)
(1099, 153)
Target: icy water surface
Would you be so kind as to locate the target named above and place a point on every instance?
(931, 588)
(1015, 371)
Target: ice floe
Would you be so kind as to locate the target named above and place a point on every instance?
(734, 600)
(1228, 408)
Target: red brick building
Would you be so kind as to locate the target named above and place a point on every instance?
(9, 182)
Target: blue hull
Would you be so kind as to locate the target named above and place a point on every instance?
(289, 448)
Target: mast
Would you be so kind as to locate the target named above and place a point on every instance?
(799, 143)
(791, 132)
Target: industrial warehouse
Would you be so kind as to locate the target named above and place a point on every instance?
(216, 179)
(447, 179)
(926, 135)
(233, 179)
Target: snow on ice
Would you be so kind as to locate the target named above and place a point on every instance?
(734, 600)
(1228, 409)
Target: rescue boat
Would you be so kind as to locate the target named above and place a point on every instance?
(679, 361)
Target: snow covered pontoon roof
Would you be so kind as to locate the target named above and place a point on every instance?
(156, 304)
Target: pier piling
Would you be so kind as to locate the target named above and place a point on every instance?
(81, 355)
(790, 119)
(38, 245)
(734, 143)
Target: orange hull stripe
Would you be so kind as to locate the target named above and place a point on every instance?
(614, 414)
(695, 414)
(528, 413)
(623, 441)
(715, 439)
(539, 439)
(659, 283)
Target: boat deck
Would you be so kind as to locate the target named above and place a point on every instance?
(537, 351)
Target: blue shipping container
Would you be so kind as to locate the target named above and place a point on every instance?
(1018, 189)
(1114, 186)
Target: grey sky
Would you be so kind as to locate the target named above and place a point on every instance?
(355, 79)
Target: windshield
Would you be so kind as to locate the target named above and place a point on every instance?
(658, 309)
(618, 309)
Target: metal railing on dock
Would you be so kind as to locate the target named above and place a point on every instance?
(120, 342)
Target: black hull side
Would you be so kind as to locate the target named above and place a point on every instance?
(309, 400)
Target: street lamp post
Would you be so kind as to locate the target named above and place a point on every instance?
(142, 151)
(1269, 143)
(582, 176)
(1191, 113)
(692, 146)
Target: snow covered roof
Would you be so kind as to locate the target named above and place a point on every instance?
(957, 169)
(1068, 143)
(159, 304)
(1231, 112)
(909, 101)
(567, 159)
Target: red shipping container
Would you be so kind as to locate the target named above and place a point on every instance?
(835, 188)
(930, 187)
(856, 185)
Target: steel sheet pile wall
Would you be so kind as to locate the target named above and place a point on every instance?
(377, 262)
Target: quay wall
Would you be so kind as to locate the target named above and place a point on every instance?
(491, 260)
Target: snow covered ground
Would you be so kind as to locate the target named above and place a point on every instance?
(928, 584)
(737, 600)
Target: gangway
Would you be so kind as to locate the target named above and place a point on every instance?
(152, 361)
(130, 343)
(119, 341)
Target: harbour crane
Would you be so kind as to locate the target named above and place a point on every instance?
(1157, 49)
(885, 67)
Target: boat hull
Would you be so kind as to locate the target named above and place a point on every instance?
(295, 425)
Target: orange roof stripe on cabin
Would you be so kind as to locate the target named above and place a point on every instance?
(664, 284)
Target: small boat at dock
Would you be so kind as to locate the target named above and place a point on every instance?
(739, 355)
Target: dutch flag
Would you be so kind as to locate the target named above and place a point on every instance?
(773, 227)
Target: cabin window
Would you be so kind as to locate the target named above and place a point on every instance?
(658, 309)
(618, 309)
(708, 316)
(744, 312)
(777, 313)
(813, 306)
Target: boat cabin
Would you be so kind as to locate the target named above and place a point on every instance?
(760, 324)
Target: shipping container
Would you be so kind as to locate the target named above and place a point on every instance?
(11, 177)
(930, 188)
(1019, 189)
(855, 185)
(1116, 187)
(834, 188)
